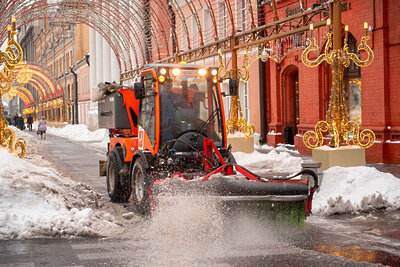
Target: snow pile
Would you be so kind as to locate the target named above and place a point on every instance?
(36, 200)
(343, 190)
(79, 132)
(286, 148)
(280, 148)
(264, 147)
(274, 162)
(356, 189)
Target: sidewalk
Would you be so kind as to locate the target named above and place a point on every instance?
(383, 167)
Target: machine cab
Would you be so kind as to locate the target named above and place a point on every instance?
(180, 102)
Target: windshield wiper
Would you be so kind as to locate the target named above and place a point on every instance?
(207, 122)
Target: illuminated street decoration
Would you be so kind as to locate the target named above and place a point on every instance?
(235, 120)
(24, 75)
(141, 32)
(39, 88)
(40, 73)
(21, 95)
(11, 56)
(337, 118)
(40, 78)
(22, 92)
(119, 22)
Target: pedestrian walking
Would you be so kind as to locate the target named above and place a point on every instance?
(42, 128)
(14, 120)
(9, 120)
(29, 121)
(20, 122)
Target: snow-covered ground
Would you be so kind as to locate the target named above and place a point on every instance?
(36, 200)
(80, 133)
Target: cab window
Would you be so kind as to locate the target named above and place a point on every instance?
(147, 118)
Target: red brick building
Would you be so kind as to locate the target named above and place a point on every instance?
(297, 96)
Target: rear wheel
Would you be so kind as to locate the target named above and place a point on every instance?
(141, 183)
(116, 191)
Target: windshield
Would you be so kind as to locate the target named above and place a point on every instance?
(190, 103)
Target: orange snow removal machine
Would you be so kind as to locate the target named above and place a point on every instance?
(168, 137)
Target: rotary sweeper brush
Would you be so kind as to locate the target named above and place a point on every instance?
(168, 138)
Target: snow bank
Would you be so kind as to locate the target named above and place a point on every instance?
(36, 200)
(356, 189)
(343, 190)
(280, 148)
(274, 161)
(79, 132)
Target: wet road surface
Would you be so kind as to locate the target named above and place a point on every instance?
(182, 238)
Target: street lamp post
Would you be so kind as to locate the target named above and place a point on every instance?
(235, 121)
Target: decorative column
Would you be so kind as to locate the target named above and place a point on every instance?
(92, 113)
(106, 61)
(115, 71)
(92, 47)
(99, 59)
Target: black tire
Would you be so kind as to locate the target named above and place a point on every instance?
(116, 191)
(141, 182)
(190, 141)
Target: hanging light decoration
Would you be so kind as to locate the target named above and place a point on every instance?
(24, 75)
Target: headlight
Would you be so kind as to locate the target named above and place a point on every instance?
(202, 72)
(161, 79)
(163, 71)
(176, 72)
(214, 72)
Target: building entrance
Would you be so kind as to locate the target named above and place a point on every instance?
(291, 116)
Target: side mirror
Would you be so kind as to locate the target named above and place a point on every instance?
(139, 90)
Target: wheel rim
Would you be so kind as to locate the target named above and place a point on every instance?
(139, 185)
(111, 176)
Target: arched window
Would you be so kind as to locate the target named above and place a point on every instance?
(223, 18)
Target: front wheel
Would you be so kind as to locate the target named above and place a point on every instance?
(141, 184)
(115, 189)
